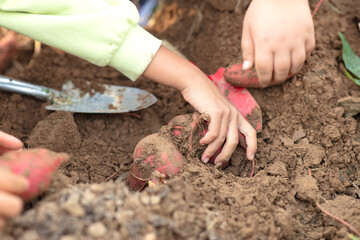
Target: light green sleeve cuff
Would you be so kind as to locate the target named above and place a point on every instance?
(103, 32)
(135, 52)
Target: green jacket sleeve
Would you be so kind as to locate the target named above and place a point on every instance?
(103, 32)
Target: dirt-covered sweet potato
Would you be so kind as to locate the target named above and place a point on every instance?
(37, 165)
(154, 153)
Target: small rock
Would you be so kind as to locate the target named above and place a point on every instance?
(30, 235)
(74, 209)
(97, 230)
(150, 236)
(298, 134)
(145, 199)
(88, 197)
(110, 206)
(350, 104)
(154, 200)
(68, 237)
(97, 188)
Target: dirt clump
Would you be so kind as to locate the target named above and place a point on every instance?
(57, 132)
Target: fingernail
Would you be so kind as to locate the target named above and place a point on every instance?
(206, 160)
(219, 164)
(246, 65)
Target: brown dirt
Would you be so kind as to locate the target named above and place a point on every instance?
(308, 149)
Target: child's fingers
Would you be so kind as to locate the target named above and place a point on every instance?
(9, 142)
(217, 142)
(12, 183)
(297, 60)
(309, 46)
(282, 64)
(214, 129)
(232, 141)
(10, 205)
(247, 49)
(264, 67)
(250, 135)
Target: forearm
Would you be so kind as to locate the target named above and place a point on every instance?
(101, 32)
(172, 70)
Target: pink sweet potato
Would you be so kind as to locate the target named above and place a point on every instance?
(152, 154)
(187, 130)
(37, 165)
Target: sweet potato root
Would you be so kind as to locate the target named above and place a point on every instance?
(37, 165)
(154, 153)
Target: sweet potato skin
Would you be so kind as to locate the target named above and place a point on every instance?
(154, 153)
(37, 165)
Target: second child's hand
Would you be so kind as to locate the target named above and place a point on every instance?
(205, 97)
(268, 23)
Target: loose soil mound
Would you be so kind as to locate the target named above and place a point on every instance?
(309, 152)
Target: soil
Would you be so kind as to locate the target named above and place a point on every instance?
(308, 151)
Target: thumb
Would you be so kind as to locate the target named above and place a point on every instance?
(247, 48)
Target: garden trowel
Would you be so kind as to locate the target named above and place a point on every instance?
(111, 98)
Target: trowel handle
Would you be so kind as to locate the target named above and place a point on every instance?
(15, 86)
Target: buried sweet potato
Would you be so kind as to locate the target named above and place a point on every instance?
(161, 155)
(37, 165)
(154, 157)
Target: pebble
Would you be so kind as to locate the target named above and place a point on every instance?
(97, 188)
(74, 209)
(298, 134)
(97, 229)
(68, 237)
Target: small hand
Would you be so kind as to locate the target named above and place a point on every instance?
(225, 120)
(277, 37)
(10, 186)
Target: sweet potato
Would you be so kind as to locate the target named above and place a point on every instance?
(154, 154)
(161, 155)
(187, 130)
(37, 165)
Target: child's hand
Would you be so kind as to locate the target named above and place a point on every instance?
(9, 143)
(277, 37)
(169, 69)
(10, 184)
(225, 123)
